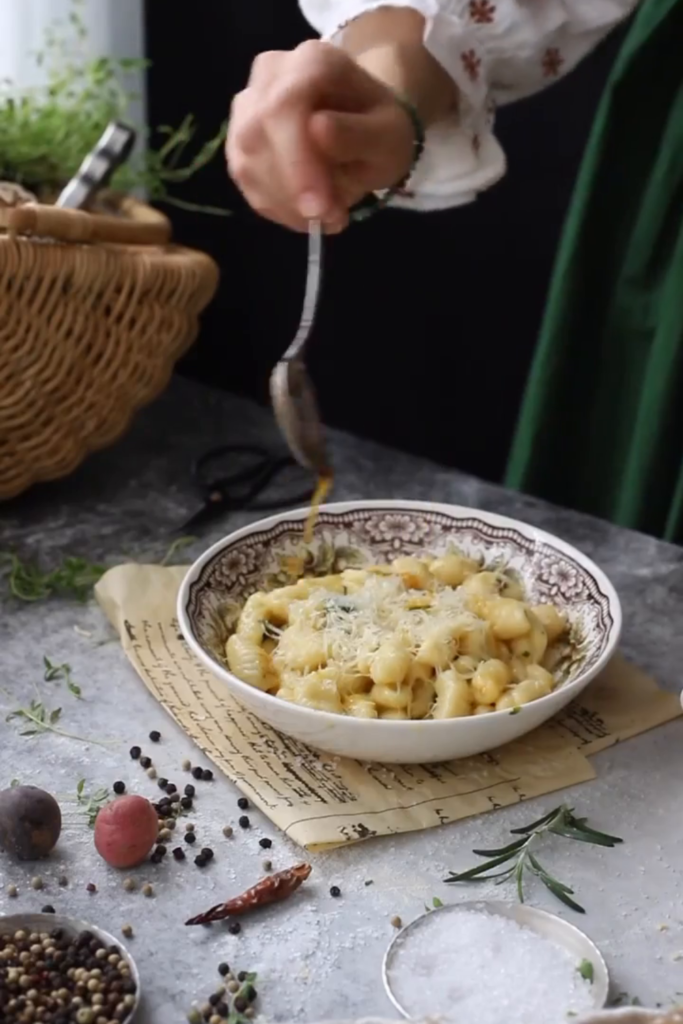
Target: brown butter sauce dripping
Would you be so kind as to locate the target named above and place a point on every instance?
(322, 489)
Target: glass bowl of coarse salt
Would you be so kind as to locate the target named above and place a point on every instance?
(491, 962)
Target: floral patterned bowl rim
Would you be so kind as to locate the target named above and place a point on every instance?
(552, 569)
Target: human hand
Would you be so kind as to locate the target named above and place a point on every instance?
(312, 134)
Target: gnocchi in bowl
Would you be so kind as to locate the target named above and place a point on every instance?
(406, 632)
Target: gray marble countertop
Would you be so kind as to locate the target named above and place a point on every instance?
(317, 957)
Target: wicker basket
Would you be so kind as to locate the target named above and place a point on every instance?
(95, 310)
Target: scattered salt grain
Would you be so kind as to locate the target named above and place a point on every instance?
(476, 966)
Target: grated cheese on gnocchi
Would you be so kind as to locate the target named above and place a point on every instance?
(420, 638)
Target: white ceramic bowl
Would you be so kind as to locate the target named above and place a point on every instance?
(249, 559)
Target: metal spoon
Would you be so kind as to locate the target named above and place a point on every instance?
(291, 389)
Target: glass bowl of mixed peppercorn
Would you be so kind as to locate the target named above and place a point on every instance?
(57, 970)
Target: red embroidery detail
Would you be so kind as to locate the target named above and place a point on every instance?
(552, 62)
(482, 11)
(471, 63)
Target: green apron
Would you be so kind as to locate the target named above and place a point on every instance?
(601, 426)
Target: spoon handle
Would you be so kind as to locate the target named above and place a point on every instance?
(313, 281)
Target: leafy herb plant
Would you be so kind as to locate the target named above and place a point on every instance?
(91, 803)
(518, 856)
(46, 131)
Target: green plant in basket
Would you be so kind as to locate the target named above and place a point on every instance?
(46, 131)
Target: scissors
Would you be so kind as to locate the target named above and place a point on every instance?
(234, 477)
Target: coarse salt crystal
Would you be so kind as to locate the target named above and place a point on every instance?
(471, 965)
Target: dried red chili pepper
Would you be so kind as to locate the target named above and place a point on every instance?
(271, 889)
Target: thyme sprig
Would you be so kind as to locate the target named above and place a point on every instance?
(91, 803)
(518, 854)
(55, 672)
(75, 577)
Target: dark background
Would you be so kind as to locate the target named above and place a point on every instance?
(428, 321)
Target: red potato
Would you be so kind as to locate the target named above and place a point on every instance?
(125, 831)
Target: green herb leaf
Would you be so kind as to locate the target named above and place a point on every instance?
(586, 970)
(91, 803)
(559, 822)
(436, 903)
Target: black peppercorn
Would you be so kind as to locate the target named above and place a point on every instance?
(161, 850)
(190, 838)
(251, 993)
(207, 775)
(234, 927)
(243, 803)
(48, 909)
(197, 773)
(179, 853)
(214, 998)
(244, 822)
(242, 976)
(119, 788)
(156, 858)
(240, 1004)
(335, 891)
(265, 843)
(222, 1009)
(224, 969)
(207, 852)
(171, 788)
(135, 753)
(201, 861)
(145, 762)
(186, 803)
(190, 790)
(155, 736)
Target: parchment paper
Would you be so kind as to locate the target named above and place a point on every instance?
(323, 801)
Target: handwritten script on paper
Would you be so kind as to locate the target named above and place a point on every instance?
(323, 801)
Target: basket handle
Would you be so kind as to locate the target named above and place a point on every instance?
(66, 225)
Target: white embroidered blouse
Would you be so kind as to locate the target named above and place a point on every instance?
(496, 51)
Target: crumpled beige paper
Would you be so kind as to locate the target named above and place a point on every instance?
(322, 801)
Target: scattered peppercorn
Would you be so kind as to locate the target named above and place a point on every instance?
(145, 762)
(197, 773)
(119, 787)
(165, 835)
(243, 803)
(170, 824)
(224, 970)
(48, 909)
(207, 852)
(234, 927)
(190, 838)
(162, 783)
(267, 865)
(240, 1004)
(135, 753)
(250, 1012)
(186, 765)
(201, 861)
(189, 790)
(207, 775)
(147, 890)
(335, 891)
(242, 976)
(186, 803)
(171, 788)
(179, 853)
(189, 827)
(222, 1009)
(397, 922)
(265, 843)
(37, 882)
(244, 822)
(233, 986)
(129, 884)
(175, 798)
(155, 736)
(227, 832)
(12, 891)
(63, 881)
(194, 1017)
(91, 887)
(127, 930)
(151, 773)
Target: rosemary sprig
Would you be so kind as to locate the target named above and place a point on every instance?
(75, 577)
(91, 803)
(519, 854)
(53, 672)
